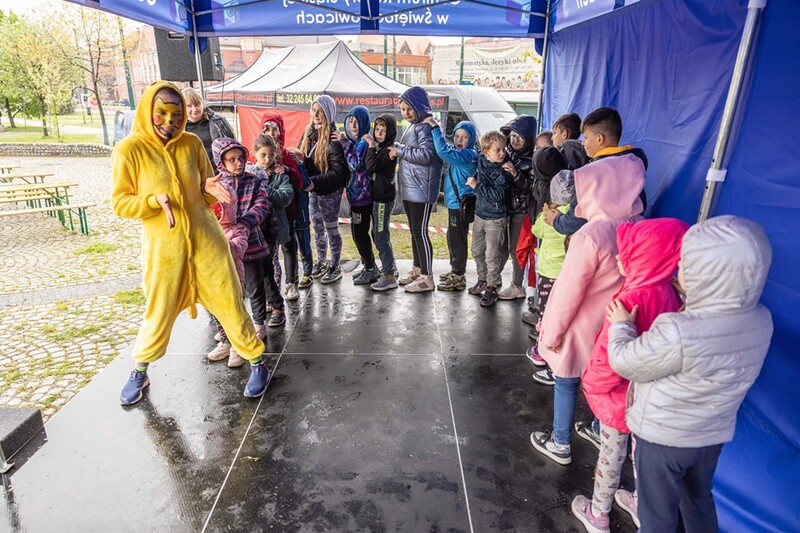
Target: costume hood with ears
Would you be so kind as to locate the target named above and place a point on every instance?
(275, 120)
(223, 145)
(391, 129)
(328, 107)
(143, 124)
(417, 97)
(361, 114)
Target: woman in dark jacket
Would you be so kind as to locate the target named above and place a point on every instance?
(327, 169)
(203, 122)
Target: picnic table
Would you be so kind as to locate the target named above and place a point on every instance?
(50, 198)
(7, 169)
(32, 177)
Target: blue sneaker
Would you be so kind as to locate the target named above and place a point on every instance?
(133, 390)
(257, 384)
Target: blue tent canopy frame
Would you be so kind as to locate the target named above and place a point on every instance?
(666, 65)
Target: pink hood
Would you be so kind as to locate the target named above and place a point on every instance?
(617, 198)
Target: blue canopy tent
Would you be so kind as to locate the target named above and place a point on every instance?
(667, 66)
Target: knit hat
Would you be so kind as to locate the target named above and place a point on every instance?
(221, 146)
(547, 162)
(562, 187)
(328, 107)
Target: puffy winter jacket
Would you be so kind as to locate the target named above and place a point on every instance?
(491, 191)
(649, 251)
(690, 372)
(462, 163)
(420, 169)
(288, 162)
(359, 184)
(520, 193)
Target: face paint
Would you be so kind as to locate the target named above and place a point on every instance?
(167, 115)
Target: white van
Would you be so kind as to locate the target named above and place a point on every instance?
(483, 106)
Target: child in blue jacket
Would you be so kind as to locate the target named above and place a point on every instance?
(462, 159)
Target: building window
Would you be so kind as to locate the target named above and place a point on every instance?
(412, 75)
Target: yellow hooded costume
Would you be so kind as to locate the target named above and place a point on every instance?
(190, 262)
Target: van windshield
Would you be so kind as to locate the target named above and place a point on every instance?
(491, 120)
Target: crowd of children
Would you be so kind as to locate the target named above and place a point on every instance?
(666, 360)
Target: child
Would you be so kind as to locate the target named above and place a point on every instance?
(647, 260)
(420, 170)
(551, 253)
(296, 212)
(521, 136)
(607, 191)
(381, 169)
(237, 236)
(269, 167)
(359, 191)
(566, 130)
(491, 192)
(462, 159)
(544, 139)
(690, 372)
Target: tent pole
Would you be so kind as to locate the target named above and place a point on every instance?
(198, 63)
(544, 68)
(716, 174)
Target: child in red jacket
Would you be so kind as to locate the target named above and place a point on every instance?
(648, 258)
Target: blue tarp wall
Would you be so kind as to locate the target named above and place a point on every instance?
(666, 66)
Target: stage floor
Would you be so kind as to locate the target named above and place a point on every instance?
(386, 412)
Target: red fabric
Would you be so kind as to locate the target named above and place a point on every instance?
(525, 248)
(649, 252)
(250, 123)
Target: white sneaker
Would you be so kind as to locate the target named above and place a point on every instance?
(421, 284)
(292, 293)
(234, 359)
(261, 331)
(410, 277)
(220, 351)
(512, 292)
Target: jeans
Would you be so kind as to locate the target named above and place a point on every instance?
(381, 213)
(564, 396)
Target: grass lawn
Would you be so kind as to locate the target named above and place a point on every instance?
(30, 130)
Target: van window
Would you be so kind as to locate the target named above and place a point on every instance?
(453, 118)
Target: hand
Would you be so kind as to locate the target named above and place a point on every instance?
(336, 135)
(392, 152)
(166, 205)
(215, 189)
(279, 169)
(430, 121)
(370, 140)
(310, 187)
(616, 312)
(550, 214)
(472, 182)
(509, 167)
(554, 349)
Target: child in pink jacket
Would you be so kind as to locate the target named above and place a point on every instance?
(648, 259)
(607, 194)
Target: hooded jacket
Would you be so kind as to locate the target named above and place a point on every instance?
(569, 222)
(190, 262)
(288, 162)
(608, 194)
(547, 162)
(420, 167)
(691, 371)
(335, 178)
(574, 153)
(462, 164)
(520, 193)
(380, 166)
(491, 191)
(648, 251)
(359, 186)
(252, 205)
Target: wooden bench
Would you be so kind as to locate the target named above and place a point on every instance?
(51, 198)
(7, 169)
(70, 209)
(32, 177)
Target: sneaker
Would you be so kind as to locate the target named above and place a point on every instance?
(530, 317)
(220, 351)
(261, 331)
(545, 377)
(543, 442)
(384, 284)
(512, 292)
(133, 390)
(582, 509)
(305, 282)
(478, 288)
(489, 297)
(627, 502)
(585, 431)
(412, 276)
(532, 304)
(234, 359)
(453, 282)
(319, 270)
(257, 383)
(366, 276)
(533, 356)
(218, 336)
(277, 318)
(333, 274)
(443, 277)
(421, 284)
(291, 292)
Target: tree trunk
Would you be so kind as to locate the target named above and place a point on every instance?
(43, 111)
(101, 113)
(9, 114)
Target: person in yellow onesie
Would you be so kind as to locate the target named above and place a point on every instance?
(163, 177)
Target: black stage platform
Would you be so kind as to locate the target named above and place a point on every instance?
(386, 412)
